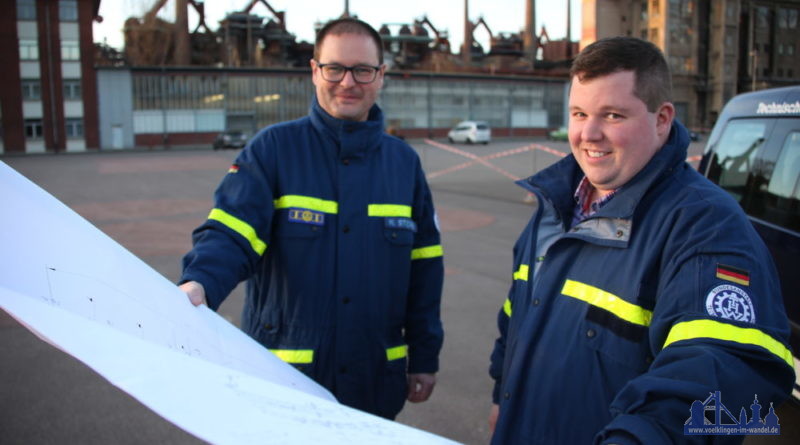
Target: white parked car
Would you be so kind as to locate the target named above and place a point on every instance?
(471, 132)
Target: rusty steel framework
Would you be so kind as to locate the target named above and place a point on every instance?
(246, 39)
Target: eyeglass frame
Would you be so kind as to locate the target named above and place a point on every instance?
(347, 69)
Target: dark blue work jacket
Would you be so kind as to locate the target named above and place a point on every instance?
(614, 327)
(333, 225)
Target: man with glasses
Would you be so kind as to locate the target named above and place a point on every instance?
(332, 223)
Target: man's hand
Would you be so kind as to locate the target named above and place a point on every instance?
(420, 387)
(195, 292)
(493, 413)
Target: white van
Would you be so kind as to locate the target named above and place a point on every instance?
(471, 132)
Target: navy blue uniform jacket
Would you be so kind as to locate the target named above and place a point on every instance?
(614, 327)
(333, 225)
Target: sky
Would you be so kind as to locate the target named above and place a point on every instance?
(506, 16)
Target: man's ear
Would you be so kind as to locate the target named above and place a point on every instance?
(664, 117)
(314, 69)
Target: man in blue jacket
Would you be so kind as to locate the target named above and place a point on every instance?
(331, 222)
(639, 287)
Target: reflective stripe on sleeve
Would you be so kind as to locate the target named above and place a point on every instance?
(427, 252)
(688, 330)
(396, 352)
(299, 356)
(521, 273)
(307, 202)
(240, 227)
(389, 210)
(608, 301)
(507, 307)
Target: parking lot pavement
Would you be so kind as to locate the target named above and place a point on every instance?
(151, 201)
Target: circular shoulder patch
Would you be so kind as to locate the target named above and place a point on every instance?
(730, 302)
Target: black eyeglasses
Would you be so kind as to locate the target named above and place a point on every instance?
(333, 72)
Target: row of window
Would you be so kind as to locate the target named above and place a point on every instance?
(32, 90)
(67, 10)
(29, 49)
(783, 48)
(787, 18)
(73, 128)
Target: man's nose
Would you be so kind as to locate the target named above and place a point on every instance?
(591, 130)
(349, 79)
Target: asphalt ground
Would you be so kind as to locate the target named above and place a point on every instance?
(149, 201)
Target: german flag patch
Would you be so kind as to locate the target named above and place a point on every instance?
(733, 274)
(234, 168)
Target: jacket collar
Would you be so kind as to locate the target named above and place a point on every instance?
(558, 182)
(353, 139)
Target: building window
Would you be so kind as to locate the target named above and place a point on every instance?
(68, 10)
(783, 18)
(792, 19)
(31, 90)
(70, 50)
(790, 49)
(762, 17)
(74, 128)
(72, 89)
(28, 49)
(26, 9)
(33, 128)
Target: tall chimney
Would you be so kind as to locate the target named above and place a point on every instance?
(346, 8)
(569, 29)
(182, 46)
(529, 38)
(466, 47)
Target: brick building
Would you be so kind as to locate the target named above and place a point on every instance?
(48, 87)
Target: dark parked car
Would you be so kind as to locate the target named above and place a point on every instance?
(230, 139)
(753, 152)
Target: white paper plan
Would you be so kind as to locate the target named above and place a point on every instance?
(81, 291)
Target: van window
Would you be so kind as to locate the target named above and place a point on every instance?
(735, 154)
(482, 127)
(782, 199)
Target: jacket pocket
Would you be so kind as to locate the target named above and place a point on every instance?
(287, 227)
(394, 387)
(623, 342)
(399, 237)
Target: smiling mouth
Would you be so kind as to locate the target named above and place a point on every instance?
(596, 154)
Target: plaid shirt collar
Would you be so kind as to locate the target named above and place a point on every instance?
(583, 207)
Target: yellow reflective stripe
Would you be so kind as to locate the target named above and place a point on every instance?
(427, 252)
(389, 210)
(507, 307)
(307, 202)
(688, 330)
(521, 273)
(396, 352)
(294, 355)
(240, 227)
(608, 301)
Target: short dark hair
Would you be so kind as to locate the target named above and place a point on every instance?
(609, 55)
(348, 25)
